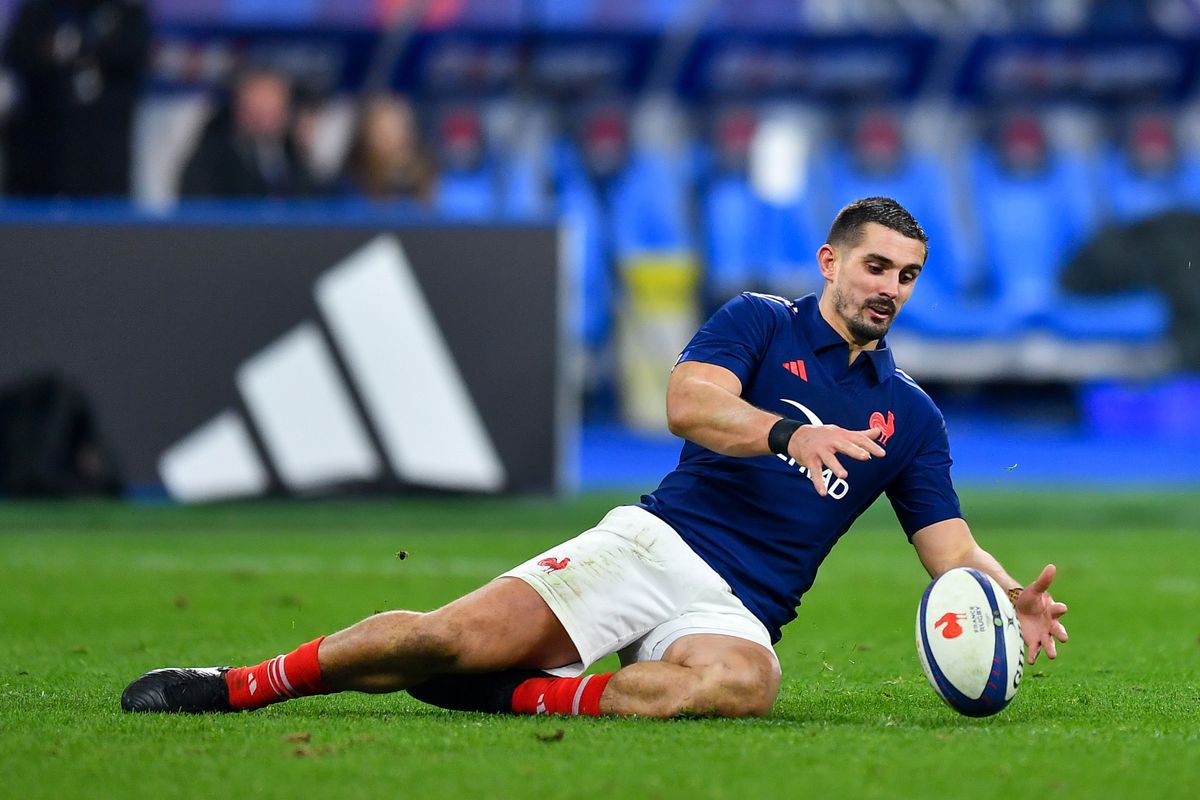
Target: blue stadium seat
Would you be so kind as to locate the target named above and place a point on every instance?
(467, 195)
(468, 187)
(789, 243)
(639, 209)
(590, 253)
(648, 203)
(733, 243)
(590, 244)
(746, 241)
(1031, 223)
(1143, 173)
(1135, 195)
(1190, 178)
(752, 244)
(523, 188)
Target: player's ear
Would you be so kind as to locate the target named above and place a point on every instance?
(827, 258)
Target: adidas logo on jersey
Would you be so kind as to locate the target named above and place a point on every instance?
(797, 368)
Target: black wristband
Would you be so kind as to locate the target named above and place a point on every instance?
(781, 434)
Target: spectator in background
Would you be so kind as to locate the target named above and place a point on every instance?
(306, 134)
(387, 161)
(247, 149)
(78, 65)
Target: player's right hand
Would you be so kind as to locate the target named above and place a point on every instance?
(1041, 616)
(816, 448)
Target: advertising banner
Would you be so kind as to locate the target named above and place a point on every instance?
(239, 360)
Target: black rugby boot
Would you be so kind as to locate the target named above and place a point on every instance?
(191, 690)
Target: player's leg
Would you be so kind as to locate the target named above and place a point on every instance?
(632, 585)
(501, 625)
(504, 624)
(700, 675)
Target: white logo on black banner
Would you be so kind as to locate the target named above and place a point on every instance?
(399, 363)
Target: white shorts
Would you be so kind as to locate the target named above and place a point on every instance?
(630, 585)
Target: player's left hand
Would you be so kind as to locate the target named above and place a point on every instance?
(1040, 617)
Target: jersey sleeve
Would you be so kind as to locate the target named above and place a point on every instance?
(923, 493)
(736, 337)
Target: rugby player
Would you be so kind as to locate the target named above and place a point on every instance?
(795, 419)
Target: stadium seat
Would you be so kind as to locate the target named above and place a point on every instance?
(1032, 216)
(590, 255)
(467, 195)
(467, 186)
(732, 242)
(523, 188)
(748, 242)
(621, 204)
(648, 203)
(1143, 175)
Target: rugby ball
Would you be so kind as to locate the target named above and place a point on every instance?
(969, 641)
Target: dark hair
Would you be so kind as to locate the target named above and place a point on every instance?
(847, 228)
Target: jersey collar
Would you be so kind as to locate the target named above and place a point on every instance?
(822, 336)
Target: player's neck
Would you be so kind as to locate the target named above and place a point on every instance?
(836, 322)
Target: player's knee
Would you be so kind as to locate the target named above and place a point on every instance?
(738, 688)
(743, 693)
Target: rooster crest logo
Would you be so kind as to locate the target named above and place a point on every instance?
(953, 627)
(888, 426)
(554, 564)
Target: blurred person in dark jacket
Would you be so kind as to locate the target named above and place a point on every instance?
(78, 66)
(387, 159)
(247, 149)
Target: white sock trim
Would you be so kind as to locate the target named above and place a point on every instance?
(579, 695)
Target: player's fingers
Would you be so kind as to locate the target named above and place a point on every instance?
(835, 466)
(1032, 654)
(1060, 632)
(1045, 579)
(1049, 646)
(854, 450)
(1057, 610)
(814, 474)
(872, 446)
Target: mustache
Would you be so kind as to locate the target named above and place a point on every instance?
(882, 305)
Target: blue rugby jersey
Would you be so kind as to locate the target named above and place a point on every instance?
(758, 522)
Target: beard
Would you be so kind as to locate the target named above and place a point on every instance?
(861, 326)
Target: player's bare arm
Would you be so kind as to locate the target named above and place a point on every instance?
(704, 405)
(950, 544)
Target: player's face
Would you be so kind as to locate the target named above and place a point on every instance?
(869, 283)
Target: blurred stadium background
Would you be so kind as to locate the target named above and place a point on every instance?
(303, 247)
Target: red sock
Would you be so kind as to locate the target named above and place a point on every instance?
(297, 674)
(577, 696)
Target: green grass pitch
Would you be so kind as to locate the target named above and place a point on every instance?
(91, 595)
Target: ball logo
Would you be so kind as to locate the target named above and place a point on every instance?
(554, 564)
(887, 426)
(953, 629)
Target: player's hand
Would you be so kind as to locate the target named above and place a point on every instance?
(816, 448)
(1040, 617)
